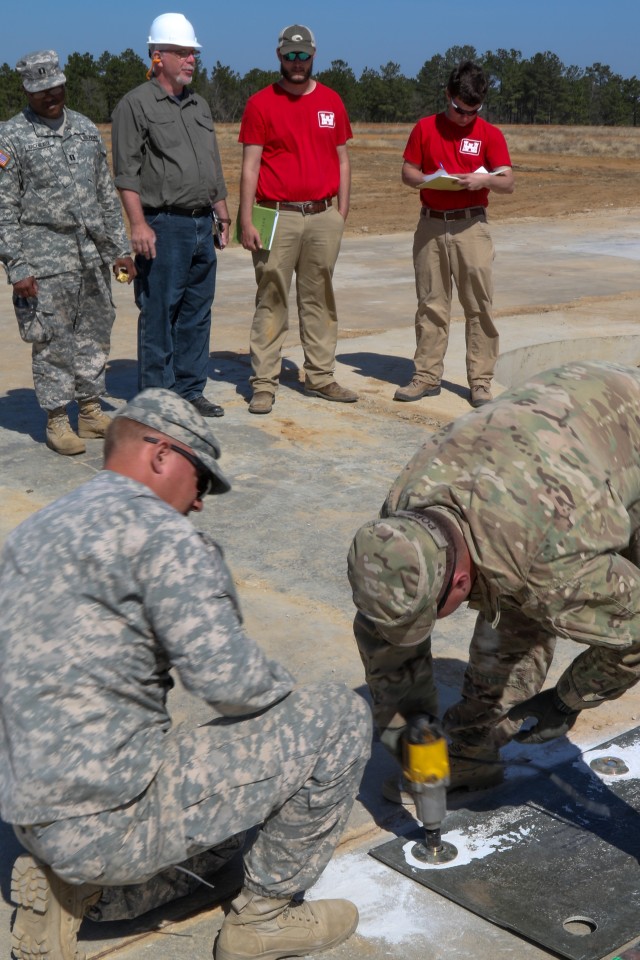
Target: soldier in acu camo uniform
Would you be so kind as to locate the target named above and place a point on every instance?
(529, 509)
(61, 228)
(103, 593)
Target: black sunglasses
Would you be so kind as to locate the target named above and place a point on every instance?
(295, 55)
(205, 480)
(465, 113)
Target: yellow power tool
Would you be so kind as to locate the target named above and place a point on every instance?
(425, 762)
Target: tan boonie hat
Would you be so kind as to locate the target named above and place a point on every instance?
(396, 568)
(296, 38)
(170, 414)
(40, 71)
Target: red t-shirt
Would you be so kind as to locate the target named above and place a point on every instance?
(435, 140)
(299, 136)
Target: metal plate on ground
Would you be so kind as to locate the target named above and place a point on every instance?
(535, 860)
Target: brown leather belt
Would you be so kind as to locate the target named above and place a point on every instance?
(180, 211)
(465, 214)
(306, 208)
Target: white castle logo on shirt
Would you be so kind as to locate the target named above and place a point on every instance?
(471, 147)
(326, 118)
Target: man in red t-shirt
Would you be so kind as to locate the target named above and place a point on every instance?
(452, 239)
(295, 160)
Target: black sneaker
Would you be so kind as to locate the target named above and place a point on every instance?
(205, 408)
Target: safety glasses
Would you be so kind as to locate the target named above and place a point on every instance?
(463, 112)
(204, 481)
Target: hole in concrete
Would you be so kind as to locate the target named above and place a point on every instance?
(580, 926)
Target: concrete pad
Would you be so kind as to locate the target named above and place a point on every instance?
(304, 478)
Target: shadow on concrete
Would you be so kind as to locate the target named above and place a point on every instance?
(122, 379)
(10, 850)
(20, 412)
(394, 370)
(235, 368)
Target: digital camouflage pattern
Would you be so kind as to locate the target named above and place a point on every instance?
(171, 414)
(75, 315)
(61, 222)
(544, 484)
(59, 210)
(40, 71)
(105, 592)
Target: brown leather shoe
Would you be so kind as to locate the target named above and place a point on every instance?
(416, 390)
(261, 402)
(332, 391)
(480, 394)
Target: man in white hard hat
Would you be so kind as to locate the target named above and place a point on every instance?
(168, 171)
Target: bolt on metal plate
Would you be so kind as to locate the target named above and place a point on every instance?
(611, 766)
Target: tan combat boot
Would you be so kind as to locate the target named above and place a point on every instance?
(93, 422)
(49, 912)
(60, 436)
(266, 928)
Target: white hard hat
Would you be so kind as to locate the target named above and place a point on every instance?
(173, 28)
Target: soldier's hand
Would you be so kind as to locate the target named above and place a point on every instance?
(554, 717)
(124, 270)
(26, 288)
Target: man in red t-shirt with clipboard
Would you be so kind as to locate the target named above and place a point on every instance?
(462, 158)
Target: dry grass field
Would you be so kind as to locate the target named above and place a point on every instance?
(559, 171)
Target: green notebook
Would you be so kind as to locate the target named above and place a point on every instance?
(264, 220)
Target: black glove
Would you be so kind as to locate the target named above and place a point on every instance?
(554, 717)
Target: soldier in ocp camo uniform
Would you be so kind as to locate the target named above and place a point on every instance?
(61, 228)
(104, 593)
(530, 510)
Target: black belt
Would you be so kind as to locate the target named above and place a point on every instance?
(306, 207)
(465, 214)
(179, 211)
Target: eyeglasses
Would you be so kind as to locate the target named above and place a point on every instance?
(42, 94)
(182, 56)
(205, 480)
(465, 113)
(296, 55)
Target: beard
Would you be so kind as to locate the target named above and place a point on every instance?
(297, 71)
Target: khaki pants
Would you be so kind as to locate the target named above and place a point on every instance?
(460, 251)
(308, 245)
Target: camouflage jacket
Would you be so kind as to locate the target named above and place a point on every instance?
(103, 592)
(58, 207)
(545, 485)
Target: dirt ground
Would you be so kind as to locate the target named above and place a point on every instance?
(559, 171)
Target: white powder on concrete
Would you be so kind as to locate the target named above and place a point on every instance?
(388, 903)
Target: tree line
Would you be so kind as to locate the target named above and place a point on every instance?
(538, 90)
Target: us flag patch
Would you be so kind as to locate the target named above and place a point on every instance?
(4, 158)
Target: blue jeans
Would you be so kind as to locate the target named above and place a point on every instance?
(174, 294)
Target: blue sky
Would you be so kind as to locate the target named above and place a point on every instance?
(242, 33)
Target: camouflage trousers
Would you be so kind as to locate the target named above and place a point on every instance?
(76, 313)
(507, 664)
(294, 770)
